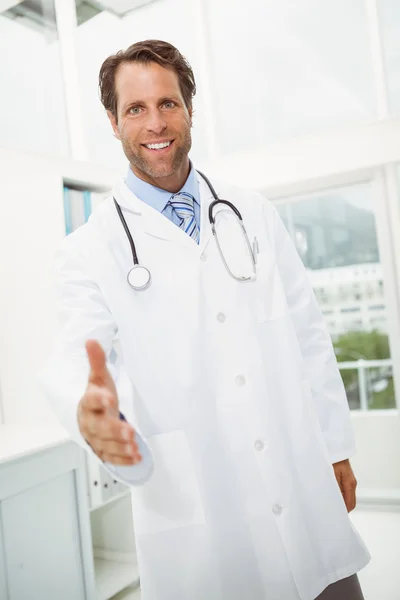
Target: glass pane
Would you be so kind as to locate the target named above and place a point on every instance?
(104, 34)
(295, 67)
(335, 235)
(390, 33)
(351, 383)
(368, 387)
(32, 113)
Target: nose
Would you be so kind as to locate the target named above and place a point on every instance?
(156, 122)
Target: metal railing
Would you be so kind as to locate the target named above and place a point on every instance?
(364, 383)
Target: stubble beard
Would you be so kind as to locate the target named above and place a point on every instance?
(160, 169)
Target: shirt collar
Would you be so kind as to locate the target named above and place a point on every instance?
(155, 196)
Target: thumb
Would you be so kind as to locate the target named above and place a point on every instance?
(97, 361)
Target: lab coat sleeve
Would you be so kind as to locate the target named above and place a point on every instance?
(83, 315)
(316, 347)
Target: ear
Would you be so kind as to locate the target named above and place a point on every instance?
(114, 124)
(190, 110)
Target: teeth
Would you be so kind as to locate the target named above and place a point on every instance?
(158, 146)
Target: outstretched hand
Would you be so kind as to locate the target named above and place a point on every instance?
(111, 439)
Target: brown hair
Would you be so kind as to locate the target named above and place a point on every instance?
(148, 51)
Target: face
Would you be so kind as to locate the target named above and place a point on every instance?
(153, 123)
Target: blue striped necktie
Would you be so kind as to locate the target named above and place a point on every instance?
(182, 204)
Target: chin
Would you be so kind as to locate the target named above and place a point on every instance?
(161, 172)
(160, 169)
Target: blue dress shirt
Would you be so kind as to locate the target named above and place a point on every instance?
(158, 198)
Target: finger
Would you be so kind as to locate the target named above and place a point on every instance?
(97, 361)
(349, 498)
(118, 460)
(125, 450)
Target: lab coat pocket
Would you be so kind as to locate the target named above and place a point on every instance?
(171, 498)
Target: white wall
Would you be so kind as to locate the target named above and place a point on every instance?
(298, 165)
(282, 76)
(31, 228)
(377, 462)
(32, 115)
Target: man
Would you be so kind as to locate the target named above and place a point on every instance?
(237, 411)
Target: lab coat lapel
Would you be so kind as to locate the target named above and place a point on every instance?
(157, 225)
(148, 219)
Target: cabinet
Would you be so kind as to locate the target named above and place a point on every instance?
(53, 543)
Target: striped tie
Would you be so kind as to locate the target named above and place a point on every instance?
(182, 204)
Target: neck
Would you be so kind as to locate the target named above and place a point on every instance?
(172, 183)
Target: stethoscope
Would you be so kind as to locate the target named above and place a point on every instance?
(139, 277)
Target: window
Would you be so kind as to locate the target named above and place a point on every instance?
(378, 321)
(354, 335)
(289, 59)
(32, 112)
(389, 12)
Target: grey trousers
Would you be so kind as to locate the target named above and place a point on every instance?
(345, 589)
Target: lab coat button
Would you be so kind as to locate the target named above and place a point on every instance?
(277, 509)
(259, 445)
(240, 380)
(203, 257)
(221, 317)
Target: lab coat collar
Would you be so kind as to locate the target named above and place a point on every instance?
(157, 197)
(157, 225)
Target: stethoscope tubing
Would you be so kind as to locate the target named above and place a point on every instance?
(143, 270)
(128, 233)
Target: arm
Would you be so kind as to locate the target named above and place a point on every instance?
(84, 315)
(315, 344)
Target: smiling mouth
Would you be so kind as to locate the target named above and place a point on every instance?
(159, 147)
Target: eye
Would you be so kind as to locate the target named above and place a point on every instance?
(169, 104)
(135, 110)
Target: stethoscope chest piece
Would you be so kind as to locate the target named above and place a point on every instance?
(139, 277)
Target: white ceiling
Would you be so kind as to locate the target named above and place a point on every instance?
(121, 7)
(6, 4)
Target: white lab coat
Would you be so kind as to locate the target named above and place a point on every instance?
(236, 393)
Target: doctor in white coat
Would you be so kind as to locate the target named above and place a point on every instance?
(237, 433)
